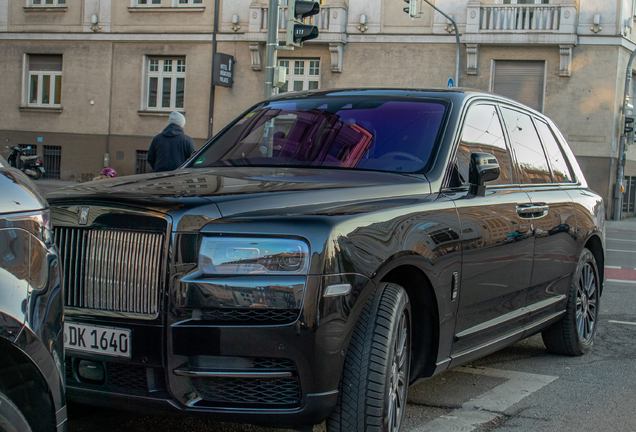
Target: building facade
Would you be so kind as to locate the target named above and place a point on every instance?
(88, 83)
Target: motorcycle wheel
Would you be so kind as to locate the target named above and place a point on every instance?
(35, 174)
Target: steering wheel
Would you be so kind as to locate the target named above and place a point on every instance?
(403, 155)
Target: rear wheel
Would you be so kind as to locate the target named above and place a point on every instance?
(374, 382)
(574, 334)
(11, 419)
(37, 174)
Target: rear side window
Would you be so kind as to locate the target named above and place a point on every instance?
(482, 132)
(560, 168)
(531, 161)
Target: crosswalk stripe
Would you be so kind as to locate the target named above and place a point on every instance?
(489, 405)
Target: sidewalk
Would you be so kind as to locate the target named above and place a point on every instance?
(628, 224)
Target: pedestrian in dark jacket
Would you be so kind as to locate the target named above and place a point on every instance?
(172, 147)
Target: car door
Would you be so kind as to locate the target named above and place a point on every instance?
(552, 210)
(497, 244)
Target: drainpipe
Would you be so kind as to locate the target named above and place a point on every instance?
(215, 31)
(618, 193)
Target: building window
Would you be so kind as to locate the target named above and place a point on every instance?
(44, 84)
(523, 81)
(188, 2)
(148, 3)
(301, 75)
(47, 3)
(165, 83)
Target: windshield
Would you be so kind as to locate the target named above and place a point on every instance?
(382, 134)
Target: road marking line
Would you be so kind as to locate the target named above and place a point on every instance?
(620, 250)
(614, 267)
(622, 322)
(489, 405)
(620, 280)
(615, 239)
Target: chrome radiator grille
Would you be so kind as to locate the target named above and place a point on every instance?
(110, 270)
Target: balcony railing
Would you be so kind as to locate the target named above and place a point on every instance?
(519, 18)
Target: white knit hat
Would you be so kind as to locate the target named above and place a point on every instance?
(177, 118)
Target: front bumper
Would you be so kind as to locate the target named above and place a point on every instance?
(208, 384)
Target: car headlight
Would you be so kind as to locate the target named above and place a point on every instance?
(280, 256)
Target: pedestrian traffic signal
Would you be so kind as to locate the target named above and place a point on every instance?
(629, 125)
(297, 32)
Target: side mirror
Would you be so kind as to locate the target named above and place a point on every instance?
(483, 168)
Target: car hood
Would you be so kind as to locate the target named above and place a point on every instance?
(18, 194)
(244, 189)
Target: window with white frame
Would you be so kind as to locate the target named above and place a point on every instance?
(44, 80)
(188, 2)
(47, 3)
(147, 3)
(165, 83)
(301, 75)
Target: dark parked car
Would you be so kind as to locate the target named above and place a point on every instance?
(323, 252)
(31, 310)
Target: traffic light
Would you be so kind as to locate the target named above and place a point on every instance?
(629, 125)
(297, 32)
(412, 9)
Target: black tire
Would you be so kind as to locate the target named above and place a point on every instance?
(11, 419)
(375, 377)
(574, 334)
(38, 174)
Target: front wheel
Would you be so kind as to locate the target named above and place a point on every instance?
(574, 334)
(375, 377)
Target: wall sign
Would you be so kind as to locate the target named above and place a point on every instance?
(223, 65)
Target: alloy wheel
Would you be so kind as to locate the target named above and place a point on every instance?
(586, 303)
(399, 375)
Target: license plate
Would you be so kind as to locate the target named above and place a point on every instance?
(97, 340)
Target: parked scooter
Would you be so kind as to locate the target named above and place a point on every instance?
(30, 165)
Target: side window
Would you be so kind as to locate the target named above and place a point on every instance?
(531, 161)
(482, 132)
(560, 168)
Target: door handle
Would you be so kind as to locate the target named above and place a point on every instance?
(532, 211)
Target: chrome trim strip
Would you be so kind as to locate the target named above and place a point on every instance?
(79, 312)
(324, 393)
(225, 374)
(522, 330)
(545, 303)
(471, 350)
(544, 320)
(519, 313)
(526, 310)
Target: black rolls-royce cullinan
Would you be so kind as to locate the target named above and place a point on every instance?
(32, 391)
(324, 251)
